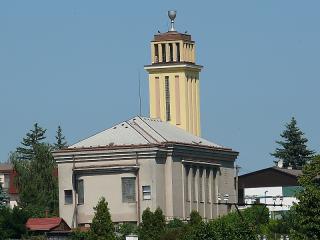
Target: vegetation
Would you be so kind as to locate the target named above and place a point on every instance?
(60, 140)
(307, 212)
(153, 225)
(293, 150)
(102, 227)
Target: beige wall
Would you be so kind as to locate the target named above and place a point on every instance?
(168, 180)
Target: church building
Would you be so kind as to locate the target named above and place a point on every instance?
(157, 161)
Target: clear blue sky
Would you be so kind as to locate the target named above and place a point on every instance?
(75, 63)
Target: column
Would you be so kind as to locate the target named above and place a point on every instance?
(152, 53)
(174, 50)
(167, 52)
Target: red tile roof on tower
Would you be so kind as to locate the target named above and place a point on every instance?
(45, 224)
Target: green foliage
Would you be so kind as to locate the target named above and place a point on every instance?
(12, 222)
(127, 229)
(175, 223)
(60, 140)
(293, 149)
(34, 137)
(102, 227)
(77, 234)
(38, 187)
(307, 212)
(153, 225)
(4, 199)
(195, 218)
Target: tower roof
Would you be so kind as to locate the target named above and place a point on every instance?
(172, 36)
(143, 131)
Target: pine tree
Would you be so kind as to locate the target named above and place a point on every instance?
(33, 137)
(102, 227)
(60, 140)
(293, 149)
(153, 225)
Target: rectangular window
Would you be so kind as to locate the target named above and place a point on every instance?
(178, 52)
(201, 184)
(6, 183)
(80, 192)
(171, 52)
(128, 189)
(163, 48)
(68, 199)
(146, 192)
(167, 92)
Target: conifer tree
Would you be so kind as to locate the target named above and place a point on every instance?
(102, 227)
(60, 140)
(293, 150)
(33, 137)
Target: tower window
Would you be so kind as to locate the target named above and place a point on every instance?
(178, 52)
(167, 92)
(156, 53)
(163, 49)
(171, 52)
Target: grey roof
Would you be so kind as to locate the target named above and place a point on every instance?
(142, 131)
(294, 172)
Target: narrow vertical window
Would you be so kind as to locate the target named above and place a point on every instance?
(156, 53)
(80, 192)
(201, 184)
(208, 193)
(194, 185)
(128, 189)
(167, 92)
(163, 48)
(178, 52)
(171, 52)
(187, 169)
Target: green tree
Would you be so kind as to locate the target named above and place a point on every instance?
(4, 199)
(153, 225)
(293, 149)
(307, 217)
(102, 227)
(195, 218)
(36, 181)
(33, 137)
(60, 139)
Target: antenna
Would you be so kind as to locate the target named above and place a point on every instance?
(172, 15)
(139, 93)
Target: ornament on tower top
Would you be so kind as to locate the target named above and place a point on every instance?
(172, 15)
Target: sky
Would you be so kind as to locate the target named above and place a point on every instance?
(77, 64)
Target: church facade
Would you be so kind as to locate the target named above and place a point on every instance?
(153, 162)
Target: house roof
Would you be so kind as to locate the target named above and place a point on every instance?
(43, 224)
(143, 131)
(291, 172)
(5, 167)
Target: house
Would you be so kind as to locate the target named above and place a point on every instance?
(54, 228)
(7, 175)
(157, 161)
(270, 185)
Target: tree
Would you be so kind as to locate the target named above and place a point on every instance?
(102, 226)
(293, 150)
(33, 137)
(36, 181)
(153, 225)
(307, 211)
(60, 140)
(195, 218)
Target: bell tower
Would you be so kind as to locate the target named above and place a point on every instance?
(174, 79)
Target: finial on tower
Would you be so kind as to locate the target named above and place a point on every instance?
(172, 15)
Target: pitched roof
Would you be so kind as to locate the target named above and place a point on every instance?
(6, 167)
(43, 224)
(293, 172)
(142, 131)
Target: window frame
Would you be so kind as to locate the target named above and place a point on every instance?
(146, 194)
(65, 196)
(125, 195)
(80, 194)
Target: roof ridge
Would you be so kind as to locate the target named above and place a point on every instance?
(127, 121)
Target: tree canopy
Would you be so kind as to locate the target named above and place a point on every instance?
(293, 150)
(60, 139)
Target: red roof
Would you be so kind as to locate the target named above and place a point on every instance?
(43, 224)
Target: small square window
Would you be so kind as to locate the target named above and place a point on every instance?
(68, 199)
(146, 192)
